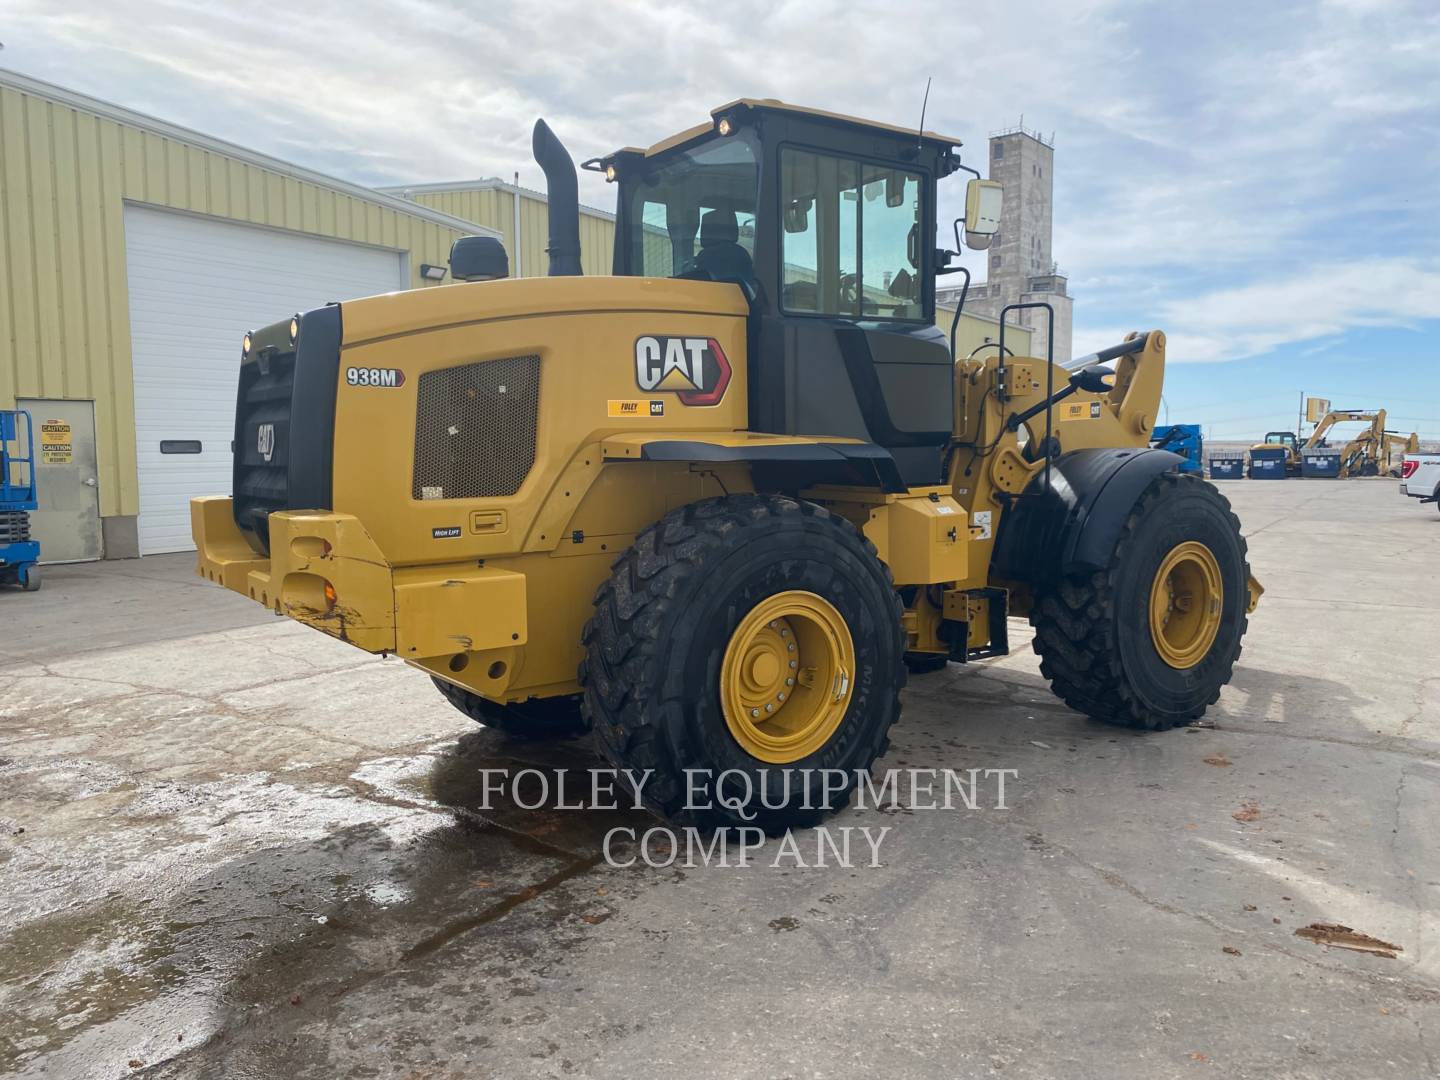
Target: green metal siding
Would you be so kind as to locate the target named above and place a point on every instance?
(974, 329)
(495, 207)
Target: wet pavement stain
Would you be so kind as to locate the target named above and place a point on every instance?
(433, 858)
(249, 833)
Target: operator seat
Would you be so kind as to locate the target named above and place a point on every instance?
(721, 255)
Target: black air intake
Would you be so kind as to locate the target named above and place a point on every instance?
(563, 191)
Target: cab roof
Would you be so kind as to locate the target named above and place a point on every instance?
(772, 105)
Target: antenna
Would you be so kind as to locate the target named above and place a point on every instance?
(920, 135)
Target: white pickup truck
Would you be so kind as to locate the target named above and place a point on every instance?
(1420, 477)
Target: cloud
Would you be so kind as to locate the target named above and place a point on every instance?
(1248, 175)
(1322, 302)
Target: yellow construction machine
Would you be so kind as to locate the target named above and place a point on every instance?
(1375, 451)
(712, 507)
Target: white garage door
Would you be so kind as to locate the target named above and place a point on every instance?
(196, 285)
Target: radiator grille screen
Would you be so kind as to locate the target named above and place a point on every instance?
(475, 429)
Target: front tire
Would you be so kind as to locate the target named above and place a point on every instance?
(537, 718)
(1149, 641)
(754, 640)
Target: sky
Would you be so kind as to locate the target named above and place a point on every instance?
(1259, 179)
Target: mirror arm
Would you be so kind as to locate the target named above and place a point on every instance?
(959, 307)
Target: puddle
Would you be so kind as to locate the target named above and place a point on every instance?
(162, 913)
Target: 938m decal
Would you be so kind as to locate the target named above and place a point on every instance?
(695, 369)
(375, 376)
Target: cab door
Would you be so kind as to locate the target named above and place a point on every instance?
(852, 348)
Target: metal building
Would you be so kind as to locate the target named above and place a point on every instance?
(1020, 263)
(518, 211)
(134, 254)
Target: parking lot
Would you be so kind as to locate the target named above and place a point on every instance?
(233, 846)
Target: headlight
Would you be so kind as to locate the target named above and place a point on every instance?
(294, 329)
(245, 346)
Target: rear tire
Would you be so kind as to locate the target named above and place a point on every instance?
(660, 672)
(32, 578)
(537, 718)
(1095, 633)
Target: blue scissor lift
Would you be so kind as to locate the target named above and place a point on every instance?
(19, 555)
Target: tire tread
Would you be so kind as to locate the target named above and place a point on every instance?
(1074, 624)
(628, 699)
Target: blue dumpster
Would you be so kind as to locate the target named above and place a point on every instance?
(1320, 464)
(1227, 467)
(1267, 463)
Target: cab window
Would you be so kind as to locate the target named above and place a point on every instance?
(694, 214)
(850, 238)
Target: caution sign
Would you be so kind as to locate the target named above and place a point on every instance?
(56, 447)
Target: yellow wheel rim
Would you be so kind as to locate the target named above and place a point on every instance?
(787, 677)
(1185, 603)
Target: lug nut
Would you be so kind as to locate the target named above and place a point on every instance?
(754, 712)
(790, 682)
(769, 707)
(794, 664)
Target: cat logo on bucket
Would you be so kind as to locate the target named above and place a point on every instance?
(695, 369)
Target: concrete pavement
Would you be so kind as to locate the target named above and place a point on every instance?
(232, 846)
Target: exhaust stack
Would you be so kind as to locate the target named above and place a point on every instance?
(563, 192)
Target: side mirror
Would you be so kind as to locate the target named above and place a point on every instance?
(983, 199)
(1094, 379)
(478, 258)
(894, 189)
(797, 217)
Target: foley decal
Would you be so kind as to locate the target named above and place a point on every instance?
(695, 369)
(1080, 410)
(632, 408)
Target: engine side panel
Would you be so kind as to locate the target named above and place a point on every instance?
(496, 466)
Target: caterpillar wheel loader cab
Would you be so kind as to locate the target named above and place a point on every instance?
(713, 506)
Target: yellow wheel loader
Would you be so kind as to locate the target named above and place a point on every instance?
(712, 507)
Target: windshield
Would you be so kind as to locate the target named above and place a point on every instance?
(694, 214)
